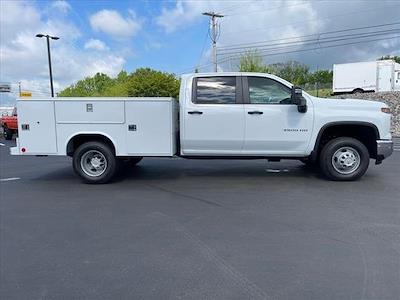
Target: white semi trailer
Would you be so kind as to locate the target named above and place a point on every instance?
(371, 76)
(219, 115)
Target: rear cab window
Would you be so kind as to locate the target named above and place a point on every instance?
(215, 90)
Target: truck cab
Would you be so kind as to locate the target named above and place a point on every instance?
(246, 114)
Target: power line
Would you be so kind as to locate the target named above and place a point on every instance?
(315, 41)
(203, 47)
(310, 20)
(315, 48)
(243, 45)
(226, 59)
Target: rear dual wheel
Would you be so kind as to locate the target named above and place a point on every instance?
(95, 162)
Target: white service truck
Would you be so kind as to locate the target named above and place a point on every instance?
(219, 115)
(370, 76)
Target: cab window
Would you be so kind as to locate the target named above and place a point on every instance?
(215, 90)
(268, 91)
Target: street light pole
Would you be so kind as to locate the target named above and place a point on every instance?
(48, 37)
(50, 71)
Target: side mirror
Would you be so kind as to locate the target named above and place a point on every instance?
(298, 99)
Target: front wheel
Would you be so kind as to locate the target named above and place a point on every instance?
(344, 159)
(95, 162)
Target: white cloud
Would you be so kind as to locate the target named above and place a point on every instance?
(242, 22)
(183, 13)
(11, 20)
(61, 5)
(262, 21)
(113, 24)
(95, 44)
(24, 57)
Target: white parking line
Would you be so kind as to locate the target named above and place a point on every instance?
(10, 179)
(1, 144)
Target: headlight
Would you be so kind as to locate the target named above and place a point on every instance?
(385, 110)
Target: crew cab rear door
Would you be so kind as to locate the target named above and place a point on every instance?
(214, 117)
(273, 125)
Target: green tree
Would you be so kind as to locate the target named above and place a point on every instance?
(251, 61)
(90, 86)
(145, 82)
(321, 76)
(394, 57)
(122, 77)
(119, 89)
(119, 86)
(293, 71)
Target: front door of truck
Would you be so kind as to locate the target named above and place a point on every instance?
(214, 117)
(273, 125)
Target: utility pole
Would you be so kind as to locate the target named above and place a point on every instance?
(214, 35)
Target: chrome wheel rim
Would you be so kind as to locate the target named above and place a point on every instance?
(346, 160)
(93, 163)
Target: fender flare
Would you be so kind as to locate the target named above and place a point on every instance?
(89, 133)
(314, 152)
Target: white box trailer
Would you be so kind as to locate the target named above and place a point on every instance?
(371, 76)
(126, 122)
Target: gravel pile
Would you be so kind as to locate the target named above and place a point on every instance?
(392, 99)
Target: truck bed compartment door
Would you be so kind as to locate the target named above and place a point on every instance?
(36, 127)
(149, 128)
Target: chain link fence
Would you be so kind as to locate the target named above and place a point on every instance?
(323, 90)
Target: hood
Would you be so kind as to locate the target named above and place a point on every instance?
(348, 103)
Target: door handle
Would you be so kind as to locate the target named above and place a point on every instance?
(195, 112)
(255, 112)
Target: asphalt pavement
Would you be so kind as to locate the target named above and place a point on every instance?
(198, 229)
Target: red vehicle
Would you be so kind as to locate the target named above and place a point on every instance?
(9, 124)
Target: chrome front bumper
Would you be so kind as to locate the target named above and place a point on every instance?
(384, 148)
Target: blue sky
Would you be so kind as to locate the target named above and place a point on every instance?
(107, 36)
(151, 46)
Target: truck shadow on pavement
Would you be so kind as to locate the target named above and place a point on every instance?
(208, 169)
(216, 170)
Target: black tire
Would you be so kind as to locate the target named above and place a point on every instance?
(358, 91)
(8, 133)
(107, 157)
(344, 147)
